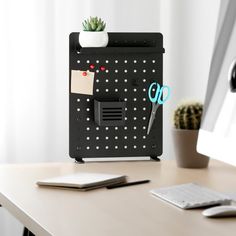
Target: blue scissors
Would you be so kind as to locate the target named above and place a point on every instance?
(156, 100)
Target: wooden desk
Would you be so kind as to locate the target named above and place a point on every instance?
(123, 211)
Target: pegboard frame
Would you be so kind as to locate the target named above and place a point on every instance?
(139, 48)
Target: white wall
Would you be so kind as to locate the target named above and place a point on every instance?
(189, 29)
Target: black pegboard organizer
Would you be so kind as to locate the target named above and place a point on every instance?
(132, 61)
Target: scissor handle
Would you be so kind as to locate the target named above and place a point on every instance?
(158, 93)
(161, 92)
(155, 98)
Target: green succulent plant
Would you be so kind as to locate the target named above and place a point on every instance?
(188, 116)
(94, 24)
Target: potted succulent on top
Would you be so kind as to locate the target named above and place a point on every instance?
(187, 120)
(93, 34)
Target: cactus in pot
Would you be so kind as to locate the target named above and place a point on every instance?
(93, 33)
(187, 120)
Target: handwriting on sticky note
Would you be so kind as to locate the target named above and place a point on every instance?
(82, 82)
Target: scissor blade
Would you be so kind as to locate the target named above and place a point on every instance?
(150, 125)
(152, 116)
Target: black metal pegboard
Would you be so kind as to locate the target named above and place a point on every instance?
(132, 62)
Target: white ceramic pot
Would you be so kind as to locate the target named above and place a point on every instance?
(93, 39)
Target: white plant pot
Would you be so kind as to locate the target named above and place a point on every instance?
(93, 39)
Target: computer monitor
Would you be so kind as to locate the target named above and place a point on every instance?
(217, 136)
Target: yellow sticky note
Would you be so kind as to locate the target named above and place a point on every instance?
(82, 82)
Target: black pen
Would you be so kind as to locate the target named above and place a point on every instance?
(128, 184)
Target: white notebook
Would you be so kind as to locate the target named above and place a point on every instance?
(83, 181)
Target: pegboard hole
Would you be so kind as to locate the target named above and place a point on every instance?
(116, 80)
(125, 137)
(144, 146)
(97, 61)
(97, 90)
(88, 119)
(125, 128)
(135, 137)
(107, 71)
(144, 137)
(78, 61)
(116, 61)
(107, 128)
(97, 147)
(134, 127)
(144, 118)
(135, 118)
(135, 90)
(87, 109)
(125, 90)
(125, 80)
(88, 61)
(87, 128)
(144, 71)
(106, 137)
(97, 128)
(135, 108)
(135, 61)
(88, 138)
(135, 146)
(144, 80)
(153, 61)
(107, 90)
(125, 71)
(78, 109)
(88, 100)
(153, 71)
(144, 108)
(116, 147)
(107, 61)
(107, 80)
(125, 147)
(107, 147)
(78, 100)
(116, 128)
(135, 71)
(116, 137)
(87, 147)
(144, 61)
(125, 61)
(97, 80)
(97, 71)
(116, 71)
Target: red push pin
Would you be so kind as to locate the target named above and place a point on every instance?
(102, 68)
(84, 73)
(92, 66)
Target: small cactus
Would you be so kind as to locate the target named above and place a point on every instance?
(188, 116)
(94, 24)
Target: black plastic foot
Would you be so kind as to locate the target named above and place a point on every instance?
(79, 160)
(155, 158)
(26, 232)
